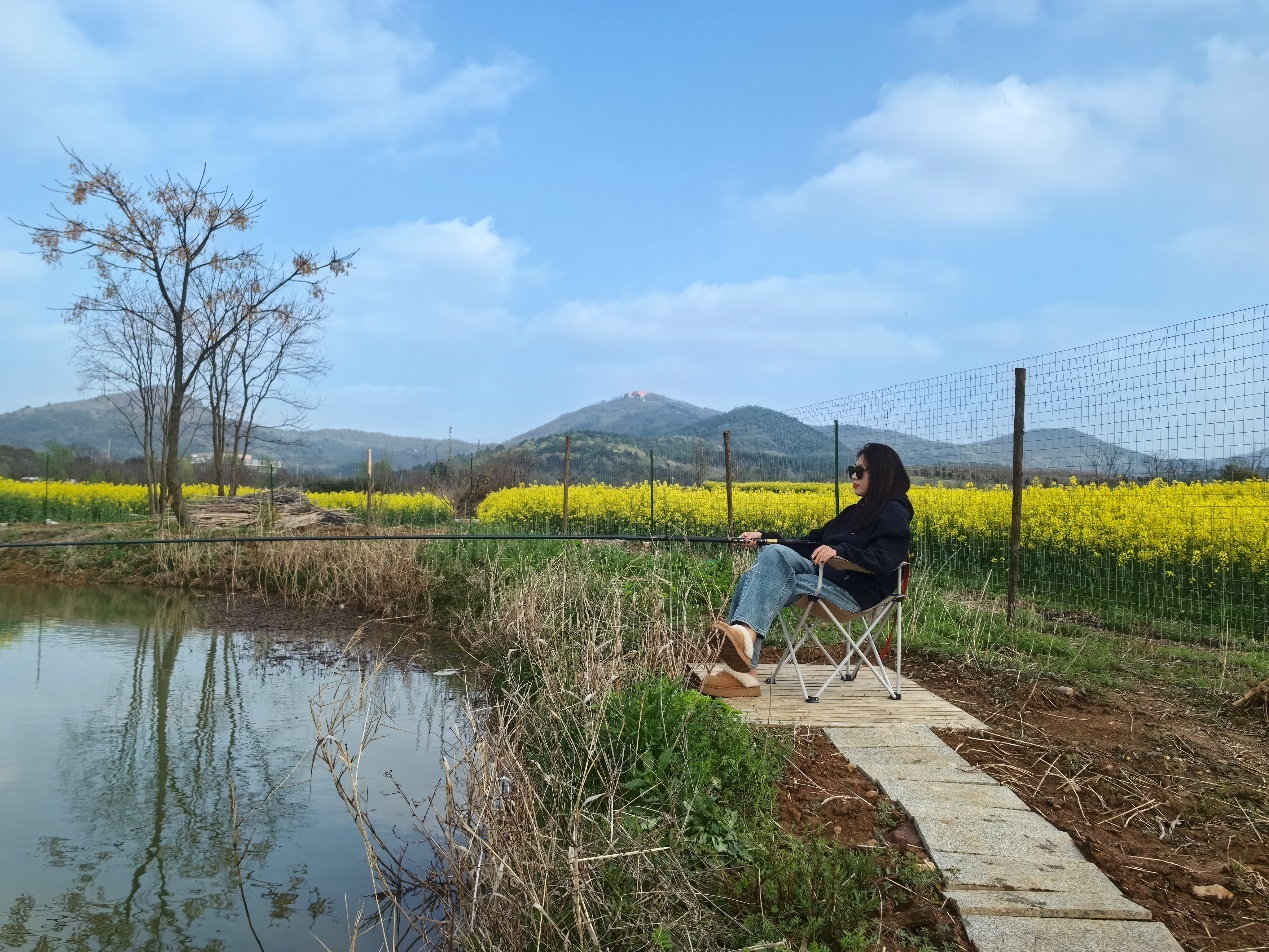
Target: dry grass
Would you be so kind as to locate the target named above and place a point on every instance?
(529, 845)
(381, 577)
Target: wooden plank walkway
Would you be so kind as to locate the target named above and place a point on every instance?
(859, 703)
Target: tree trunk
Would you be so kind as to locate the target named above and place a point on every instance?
(235, 466)
(172, 456)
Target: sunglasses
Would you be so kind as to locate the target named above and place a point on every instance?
(856, 472)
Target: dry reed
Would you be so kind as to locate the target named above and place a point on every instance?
(528, 844)
(379, 577)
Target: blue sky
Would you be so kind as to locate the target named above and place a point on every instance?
(725, 202)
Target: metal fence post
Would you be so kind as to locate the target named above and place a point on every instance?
(1015, 523)
(731, 522)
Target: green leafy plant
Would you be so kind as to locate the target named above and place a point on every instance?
(691, 761)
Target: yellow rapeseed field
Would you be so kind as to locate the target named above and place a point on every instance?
(1215, 525)
(1218, 525)
(413, 509)
(79, 502)
(107, 502)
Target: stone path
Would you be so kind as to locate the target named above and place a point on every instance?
(858, 702)
(1019, 883)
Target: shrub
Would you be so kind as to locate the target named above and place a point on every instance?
(691, 760)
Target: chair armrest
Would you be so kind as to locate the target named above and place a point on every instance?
(845, 565)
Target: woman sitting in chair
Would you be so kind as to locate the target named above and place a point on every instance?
(874, 534)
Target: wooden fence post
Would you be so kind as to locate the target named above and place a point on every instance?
(568, 449)
(1015, 522)
(370, 478)
(731, 522)
(652, 494)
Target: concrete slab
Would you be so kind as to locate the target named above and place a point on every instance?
(1022, 841)
(933, 798)
(957, 814)
(1020, 884)
(861, 738)
(883, 758)
(926, 764)
(1102, 904)
(1031, 934)
(927, 773)
(995, 872)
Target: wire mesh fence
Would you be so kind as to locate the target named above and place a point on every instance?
(1146, 507)
(1145, 461)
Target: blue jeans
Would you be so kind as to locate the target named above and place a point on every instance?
(779, 578)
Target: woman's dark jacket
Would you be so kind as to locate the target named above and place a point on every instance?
(879, 548)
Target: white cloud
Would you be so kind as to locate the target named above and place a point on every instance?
(942, 24)
(753, 321)
(1049, 328)
(278, 69)
(777, 341)
(55, 81)
(1226, 246)
(945, 150)
(421, 282)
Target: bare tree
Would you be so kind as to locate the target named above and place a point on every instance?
(700, 461)
(125, 362)
(263, 367)
(157, 259)
(1254, 459)
(1162, 465)
(1106, 460)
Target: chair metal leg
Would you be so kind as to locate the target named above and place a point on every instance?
(864, 646)
(898, 652)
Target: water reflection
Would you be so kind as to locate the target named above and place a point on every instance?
(125, 720)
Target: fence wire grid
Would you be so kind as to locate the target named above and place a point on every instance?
(1146, 508)
(1145, 456)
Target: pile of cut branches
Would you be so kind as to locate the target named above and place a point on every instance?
(282, 510)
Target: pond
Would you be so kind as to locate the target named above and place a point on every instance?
(123, 717)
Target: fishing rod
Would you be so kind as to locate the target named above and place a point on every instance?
(420, 537)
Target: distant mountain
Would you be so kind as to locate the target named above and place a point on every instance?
(342, 451)
(759, 430)
(612, 440)
(1065, 448)
(95, 424)
(637, 413)
(616, 458)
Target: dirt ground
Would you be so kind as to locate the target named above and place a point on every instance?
(1165, 792)
(823, 794)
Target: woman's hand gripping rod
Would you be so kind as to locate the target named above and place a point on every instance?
(820, 557)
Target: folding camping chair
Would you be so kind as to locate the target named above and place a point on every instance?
(816, 610)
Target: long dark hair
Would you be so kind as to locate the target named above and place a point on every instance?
(887, 479)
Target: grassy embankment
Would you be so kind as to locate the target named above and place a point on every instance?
(602, 804)
(624, 812)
